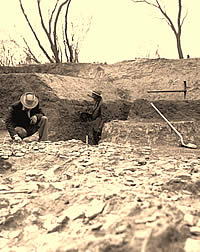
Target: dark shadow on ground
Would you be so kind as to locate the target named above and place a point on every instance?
(171, 239)
(181, 183)
(4, 165)
(72, 127)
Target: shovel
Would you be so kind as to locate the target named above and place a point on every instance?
(189, 145)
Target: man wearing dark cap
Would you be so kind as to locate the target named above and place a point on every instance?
(25, 118)
(95, 118)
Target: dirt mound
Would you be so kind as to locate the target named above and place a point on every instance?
(184, 110)
(63, 90)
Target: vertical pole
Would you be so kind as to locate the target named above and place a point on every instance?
(86, 139)
(185, 88)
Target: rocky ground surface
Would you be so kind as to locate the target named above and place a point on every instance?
(137, 191)
(70, 196)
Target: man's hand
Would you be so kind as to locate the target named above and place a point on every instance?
(33, 119)
(17, 139)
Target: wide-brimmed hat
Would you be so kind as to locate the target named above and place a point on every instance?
(95, 93)
(29, 100)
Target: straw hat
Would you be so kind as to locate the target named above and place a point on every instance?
(29, 100)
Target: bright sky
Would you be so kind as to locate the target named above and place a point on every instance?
(120, 30)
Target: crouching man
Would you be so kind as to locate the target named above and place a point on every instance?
(25, 118)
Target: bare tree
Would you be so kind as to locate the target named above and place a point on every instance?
(76, 36)
(73, 36)
(177, 31)
(50, 31)
(29, 54)
(12, 53)
(66, 39)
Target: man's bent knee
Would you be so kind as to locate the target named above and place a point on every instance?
(44, 118)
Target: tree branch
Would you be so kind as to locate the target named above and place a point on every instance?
(177, 32)
(55, 24)
(48, 34)
(34, 33)
(167, 17)
(65, 44)
(184, 18)
(144, 1)
(158, 6)
(179, 16)
(51, 17)
(66, 35)
(31, 53)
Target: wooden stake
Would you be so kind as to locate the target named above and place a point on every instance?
(86, 139)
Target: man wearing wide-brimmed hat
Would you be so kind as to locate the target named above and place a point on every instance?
(25, 118)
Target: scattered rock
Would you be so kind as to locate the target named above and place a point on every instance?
(192, 245)
(94, 208)
(78, 192)
(74, 212)
(96, 226)
(18, 154)
(189, 219)
(195, 230)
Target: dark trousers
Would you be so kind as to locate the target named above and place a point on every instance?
(41, 127)
(96, 136)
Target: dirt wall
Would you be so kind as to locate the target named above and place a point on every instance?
(63, 91)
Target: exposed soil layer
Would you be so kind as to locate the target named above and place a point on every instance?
(138, 190)
(63, 91)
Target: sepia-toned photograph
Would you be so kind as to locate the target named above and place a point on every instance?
(99, 126)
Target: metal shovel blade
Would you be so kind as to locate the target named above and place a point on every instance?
(189, 145)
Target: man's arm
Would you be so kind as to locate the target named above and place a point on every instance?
(97, 110)
(37, 111)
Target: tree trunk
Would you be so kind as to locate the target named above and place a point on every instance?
(178, 41)
(180, 21)
(71, 56)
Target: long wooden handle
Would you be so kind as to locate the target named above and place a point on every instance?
(175, 130)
